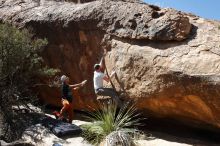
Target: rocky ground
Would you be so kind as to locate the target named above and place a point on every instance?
(44, 137)
(158, 132)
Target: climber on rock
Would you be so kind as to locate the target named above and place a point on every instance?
(67, 97)
(98, 78)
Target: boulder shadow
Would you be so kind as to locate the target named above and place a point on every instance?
(174, 131)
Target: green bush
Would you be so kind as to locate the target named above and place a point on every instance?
(17, 50)
(19, 66)
(109, 120)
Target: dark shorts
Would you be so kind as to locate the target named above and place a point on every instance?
(106, 92)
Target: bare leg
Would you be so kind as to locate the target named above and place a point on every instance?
(65, 106)
(70, 113)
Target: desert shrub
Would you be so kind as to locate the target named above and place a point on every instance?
(20, 64)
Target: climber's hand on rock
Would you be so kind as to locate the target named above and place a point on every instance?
(105, 53)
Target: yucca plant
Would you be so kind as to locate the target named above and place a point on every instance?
(110, 122)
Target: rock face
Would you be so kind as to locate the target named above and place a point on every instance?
(173, 79)
(166, 60)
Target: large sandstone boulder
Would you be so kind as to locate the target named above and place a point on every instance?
(173, 79)
(166, 60)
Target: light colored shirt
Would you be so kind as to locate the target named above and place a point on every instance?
(98, 79)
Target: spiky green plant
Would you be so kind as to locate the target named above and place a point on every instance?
(109, 120)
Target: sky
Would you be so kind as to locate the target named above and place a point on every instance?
(205, 8)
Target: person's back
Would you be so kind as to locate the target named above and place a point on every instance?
(98, 80)
(66, 92)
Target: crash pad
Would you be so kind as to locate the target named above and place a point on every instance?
(60, 128)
